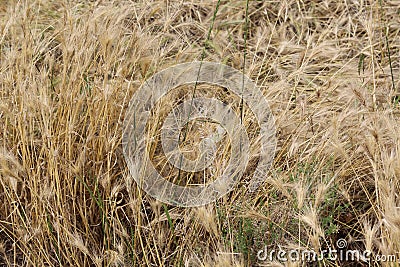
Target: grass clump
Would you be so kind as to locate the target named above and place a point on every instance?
(329, 70)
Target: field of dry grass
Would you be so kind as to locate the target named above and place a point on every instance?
(329, 70)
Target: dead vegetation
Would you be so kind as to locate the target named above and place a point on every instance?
(329, 69)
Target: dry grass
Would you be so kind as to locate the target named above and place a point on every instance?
(68, 70)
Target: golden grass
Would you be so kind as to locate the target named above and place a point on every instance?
(69, 69)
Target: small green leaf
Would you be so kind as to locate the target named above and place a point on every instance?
(361, 64)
